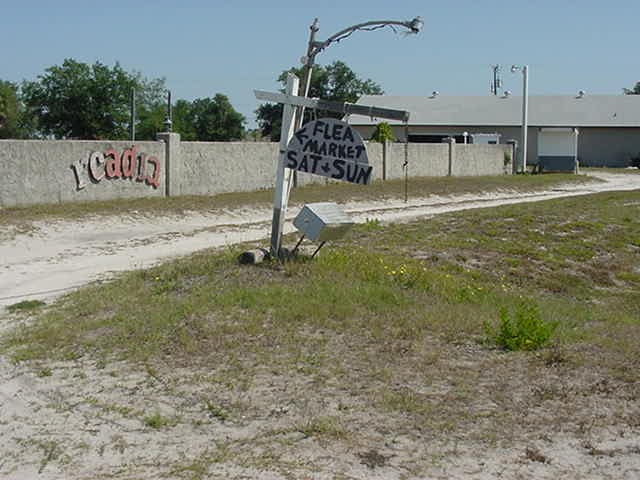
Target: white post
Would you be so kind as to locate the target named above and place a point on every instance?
(576, 132)
(525, 105)
(283, 175)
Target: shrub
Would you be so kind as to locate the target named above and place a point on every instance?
(635, 161)
(522, 329)
(383, 133)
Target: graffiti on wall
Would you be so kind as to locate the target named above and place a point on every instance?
(111, 164)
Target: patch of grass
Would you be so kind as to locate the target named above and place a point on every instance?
(215, 411)
(157, 420)
(44, 372)
(522, 329)
(323, 427)
(26, 305)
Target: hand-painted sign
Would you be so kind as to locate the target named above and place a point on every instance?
(330, 148)
(111, 164)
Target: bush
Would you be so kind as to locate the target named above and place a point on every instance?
(522, 329)
(635, 161)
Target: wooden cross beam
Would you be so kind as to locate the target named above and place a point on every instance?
(340, 107)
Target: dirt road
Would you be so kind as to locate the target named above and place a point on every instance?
(57, 257)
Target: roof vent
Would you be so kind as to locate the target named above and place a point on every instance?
(581, 94)
(507, 94)
(434, 94)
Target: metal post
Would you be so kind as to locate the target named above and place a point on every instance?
(306, 79)
(525, 105)
(132, 124)
(405, 165)
(167, 121)
(283, 175)
(576, 132)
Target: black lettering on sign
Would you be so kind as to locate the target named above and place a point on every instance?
(352, 172)
(292, 157)
(338, 165)
(302, 166)
(311, 146)
(365, 173)
(319, 127)
(332, 149)
(348, 135)
(337, 132)
(315, 158)
(301, 134)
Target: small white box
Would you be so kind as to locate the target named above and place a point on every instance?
(320, 222)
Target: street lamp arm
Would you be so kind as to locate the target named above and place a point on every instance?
(315, 47)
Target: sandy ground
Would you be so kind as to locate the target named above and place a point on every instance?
(70, 424)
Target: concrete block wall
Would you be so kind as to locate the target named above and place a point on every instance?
(473, 160)
(219, 167)
(35, 172)
(46, 171)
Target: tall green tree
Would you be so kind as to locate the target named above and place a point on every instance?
(208, 120)
(336, 82)
(78, 100)
(151, 107)
(9, 110)
(633, 91)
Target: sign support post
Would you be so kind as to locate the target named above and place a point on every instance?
(284, 176)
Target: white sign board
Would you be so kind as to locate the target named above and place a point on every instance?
(330, 148)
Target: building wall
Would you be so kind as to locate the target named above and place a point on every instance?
(610, 147)
(506, 134)
(42, 172)
(36, 171)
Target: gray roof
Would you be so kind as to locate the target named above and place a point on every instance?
(490, 110)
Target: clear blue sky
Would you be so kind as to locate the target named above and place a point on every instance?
(204, 47)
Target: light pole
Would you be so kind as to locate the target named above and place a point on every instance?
(168, 118)
(314, 47)
(525, 104)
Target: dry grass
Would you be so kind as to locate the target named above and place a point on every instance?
(380, 340)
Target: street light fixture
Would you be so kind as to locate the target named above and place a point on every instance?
(525, 104)
(314, 47)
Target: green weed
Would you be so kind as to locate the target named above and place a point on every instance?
(215, 411)
(26, 305)
(156, 420)
(521, 329)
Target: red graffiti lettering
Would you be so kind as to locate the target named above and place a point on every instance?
(113, 166)
(96, 160)
(141, 167)
(129, 162)
(154, 180)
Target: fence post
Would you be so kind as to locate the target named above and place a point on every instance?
(514, 151)
(173, 163)
(452, 153)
